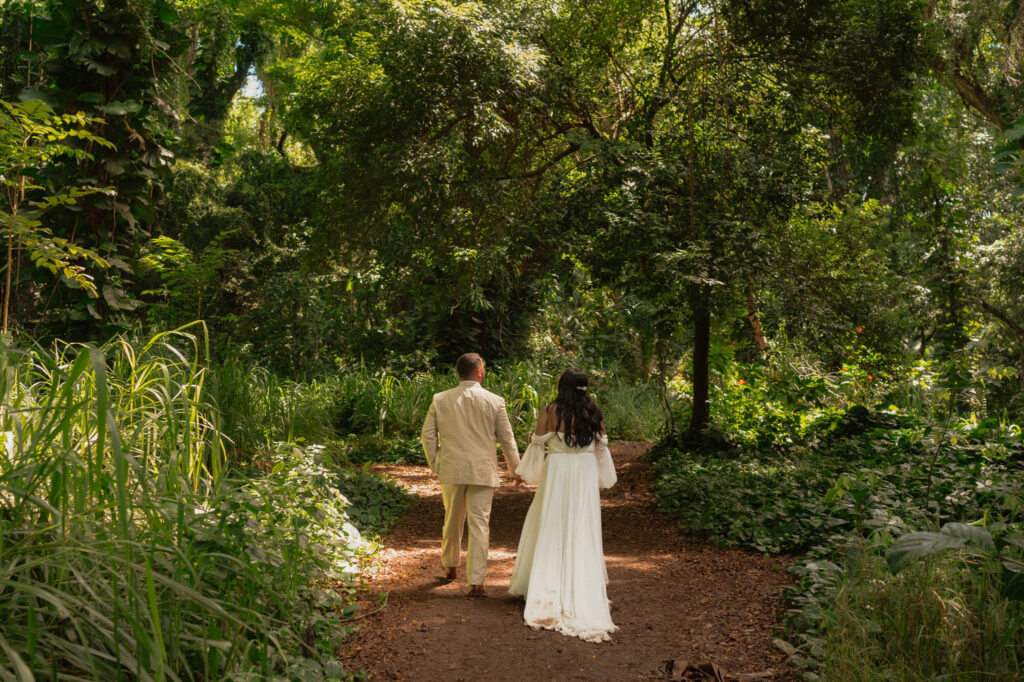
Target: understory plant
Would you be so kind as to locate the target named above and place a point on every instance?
(951, 616)
(258, 408)
(846, 486)
(128, 549)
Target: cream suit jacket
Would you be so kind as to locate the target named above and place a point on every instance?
(459, 434)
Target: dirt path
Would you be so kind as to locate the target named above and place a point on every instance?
(673, 597)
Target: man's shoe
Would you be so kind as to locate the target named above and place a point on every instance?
(477, 591)
(449, 576)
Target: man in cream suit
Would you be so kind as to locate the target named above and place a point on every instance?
(459, 434)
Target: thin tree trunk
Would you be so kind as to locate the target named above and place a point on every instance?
(264, 135)
(956, 335)
(701, 415)
(7, 279)
(926, 336)
(755, 322)
(15, 200)
(661, 355)
(1016, 327)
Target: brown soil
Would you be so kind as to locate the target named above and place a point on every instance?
(673, 597)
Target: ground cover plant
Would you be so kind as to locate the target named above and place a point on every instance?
(843, 487)
(374, 502)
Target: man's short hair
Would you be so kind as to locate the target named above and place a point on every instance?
(467, 364)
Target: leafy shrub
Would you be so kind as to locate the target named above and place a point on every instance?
(768, 504)
(377, 449)
(889, 479)
(843, 502)
(259, 408)
(632, 409)
(942, 618)
(129, 551)
(375, 503)
(803, 468)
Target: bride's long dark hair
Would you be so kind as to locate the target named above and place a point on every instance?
(576, 409)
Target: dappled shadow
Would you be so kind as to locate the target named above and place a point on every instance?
(673, 596)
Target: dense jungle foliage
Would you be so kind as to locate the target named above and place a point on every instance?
(244, 242)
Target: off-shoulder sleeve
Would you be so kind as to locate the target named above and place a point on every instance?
(606, 477)
(532, 464)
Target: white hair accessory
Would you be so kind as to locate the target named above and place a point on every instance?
(581, 388)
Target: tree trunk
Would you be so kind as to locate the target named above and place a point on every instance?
(955, 334)
(755, 323)
(1017, 328)
(700, 301)
(7, 280)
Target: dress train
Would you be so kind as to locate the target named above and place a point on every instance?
(560, 567)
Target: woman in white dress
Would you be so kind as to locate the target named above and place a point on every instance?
(560, 564)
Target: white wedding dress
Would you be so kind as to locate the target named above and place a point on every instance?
(560, 566)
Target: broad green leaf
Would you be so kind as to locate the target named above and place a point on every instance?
(35, 103)
(166, 13)
(1015, 132)
(1013, 584)
(913, 546)
(115, 166)
(115, 108)
(1014, 539)
(91, 97)
(979, 537)
(101, 69)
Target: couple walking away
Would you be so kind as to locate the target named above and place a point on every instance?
(559, 567)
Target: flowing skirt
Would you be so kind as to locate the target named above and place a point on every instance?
(560, 566)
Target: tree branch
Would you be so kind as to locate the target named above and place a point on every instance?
(995, 312)
(572, 148)
(972, 93)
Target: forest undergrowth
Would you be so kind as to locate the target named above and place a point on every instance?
(165, 518)
(133, 543)
(352, 195)
(906, 522)
(168, 518)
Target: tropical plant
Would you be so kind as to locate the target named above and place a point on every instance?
(128, 549)
(32, 137)
(1002, 549)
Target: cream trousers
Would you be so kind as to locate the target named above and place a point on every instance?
(462, 503)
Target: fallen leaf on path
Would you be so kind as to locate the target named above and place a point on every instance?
(672, 593)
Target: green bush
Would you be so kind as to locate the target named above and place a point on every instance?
(127, 547)
(944, 618)
(259, 408)
(865, 479)
(794, 463)
(375, 503)
(375, 448)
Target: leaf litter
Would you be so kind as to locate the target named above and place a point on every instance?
(686, 609)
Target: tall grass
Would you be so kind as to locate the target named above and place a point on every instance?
(943, 619)
(632, 409)
(125, 550)
(259, 408)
